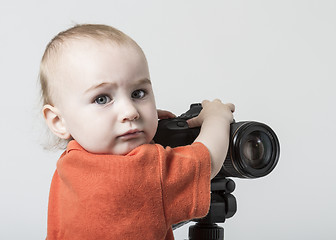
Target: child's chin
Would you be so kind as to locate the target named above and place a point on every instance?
(127, 149)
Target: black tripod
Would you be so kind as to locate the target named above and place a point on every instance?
(223, 205)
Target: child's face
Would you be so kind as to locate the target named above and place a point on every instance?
(105, 97)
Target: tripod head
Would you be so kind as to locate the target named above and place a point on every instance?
(223, 205)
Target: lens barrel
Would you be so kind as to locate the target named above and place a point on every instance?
(253, 152)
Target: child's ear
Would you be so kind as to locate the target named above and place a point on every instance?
(55, 121)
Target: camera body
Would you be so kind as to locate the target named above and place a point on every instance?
(254, 148)
(175, 132)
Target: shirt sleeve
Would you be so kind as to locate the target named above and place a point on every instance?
(185, 177)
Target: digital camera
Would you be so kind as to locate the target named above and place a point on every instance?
(253, 148)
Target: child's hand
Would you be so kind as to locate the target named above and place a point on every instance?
(214, 119)
(214, 109)
(163, 114)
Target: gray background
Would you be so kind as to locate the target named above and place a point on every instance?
(274, 59)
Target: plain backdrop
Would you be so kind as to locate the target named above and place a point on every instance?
(275, 60)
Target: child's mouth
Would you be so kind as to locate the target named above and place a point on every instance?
(131, 134)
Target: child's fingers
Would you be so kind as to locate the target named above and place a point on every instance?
(205, 102)
(163, 114)
(194, 122)
(231, 107)
(210, 107)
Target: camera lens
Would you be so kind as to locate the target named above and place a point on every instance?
(254, 151)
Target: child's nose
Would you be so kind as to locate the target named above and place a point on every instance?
(129, 112)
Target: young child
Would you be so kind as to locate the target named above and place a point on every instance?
(112, 182)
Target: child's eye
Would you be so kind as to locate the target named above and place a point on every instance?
(137, 94)
(103, 99)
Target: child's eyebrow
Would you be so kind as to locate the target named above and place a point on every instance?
(100, 85)
(143, 81)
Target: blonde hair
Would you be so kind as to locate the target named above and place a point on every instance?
(78, 32)
(53, 52)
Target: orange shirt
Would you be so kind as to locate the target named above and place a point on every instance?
(135, 196)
